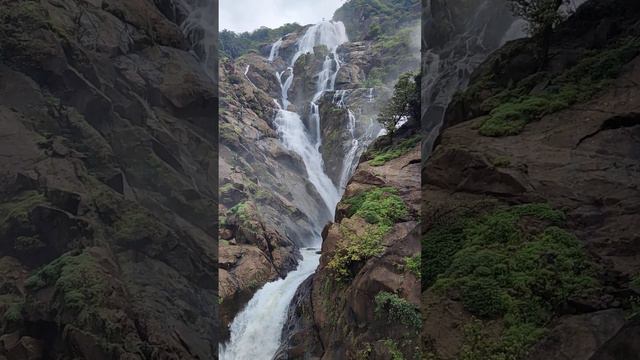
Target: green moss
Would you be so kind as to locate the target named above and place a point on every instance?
(511, 109)
(377, 206)
(501, 161)
(79, 281)
(396, 309)
(138, 224)
(511, 117)
(512, 263)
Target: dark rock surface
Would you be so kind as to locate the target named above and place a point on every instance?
(582, 159)
(108, 183)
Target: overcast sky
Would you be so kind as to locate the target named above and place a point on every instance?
(248, 15)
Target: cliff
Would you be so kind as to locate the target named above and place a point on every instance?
(363, 300)
(269, 207)
(108, 182)
(530, 200)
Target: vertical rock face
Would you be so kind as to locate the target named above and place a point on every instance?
(563, 179)
(108, 183)
(456, 37)
(351, 306)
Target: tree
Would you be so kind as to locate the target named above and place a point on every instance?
(543, 16)
(403, 103)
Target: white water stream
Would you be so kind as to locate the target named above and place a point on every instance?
(256, 330)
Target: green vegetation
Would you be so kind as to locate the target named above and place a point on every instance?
(404, 103)
(382, 156)
(383, 17)
(138, 224)
(395, 308)
(542, 16)
(394, 350)
(15, 212)
(354, 248)
(377, 206)
(233, 45)
(13, 314)
(375, 77)
(513, 108)
(79, 281)
(501, 161)
(413, 264)
(512, 263)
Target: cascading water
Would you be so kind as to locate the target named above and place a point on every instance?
(201, 28)
(256, 330)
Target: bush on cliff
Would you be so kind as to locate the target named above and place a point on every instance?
(513, 263)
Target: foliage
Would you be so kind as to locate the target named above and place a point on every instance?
(377, 206)
(354, 248)
(233, 45)
(542, 17)
(382, 156)
(513, 108)
(13, 314)
(413, 264)
(394, 350)
(513, 263)
(383, 17)
(15, 212)
(78, 279)
(398, 309)
(404, 103)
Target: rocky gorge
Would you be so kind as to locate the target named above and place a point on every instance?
(271, 207)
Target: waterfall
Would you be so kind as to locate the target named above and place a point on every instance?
(201, 28)
(256, 330)
(274, 50)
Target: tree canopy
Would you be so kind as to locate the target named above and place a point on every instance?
(404, 104)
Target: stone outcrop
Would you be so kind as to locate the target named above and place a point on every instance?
(108, 183)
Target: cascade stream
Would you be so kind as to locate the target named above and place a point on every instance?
(256, 330)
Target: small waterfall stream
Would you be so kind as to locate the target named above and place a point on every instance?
(256, 330)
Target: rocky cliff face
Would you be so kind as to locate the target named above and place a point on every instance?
(456, 37)
(267, 204)
(530, 245)
(259, 174)
(108, 182)
(363, 300)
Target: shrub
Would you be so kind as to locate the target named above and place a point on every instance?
(413, 264)
(377, 206)
(513, 263)
(354, 248)
(397, 309)
(394, 350)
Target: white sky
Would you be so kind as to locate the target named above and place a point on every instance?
(248, 15)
